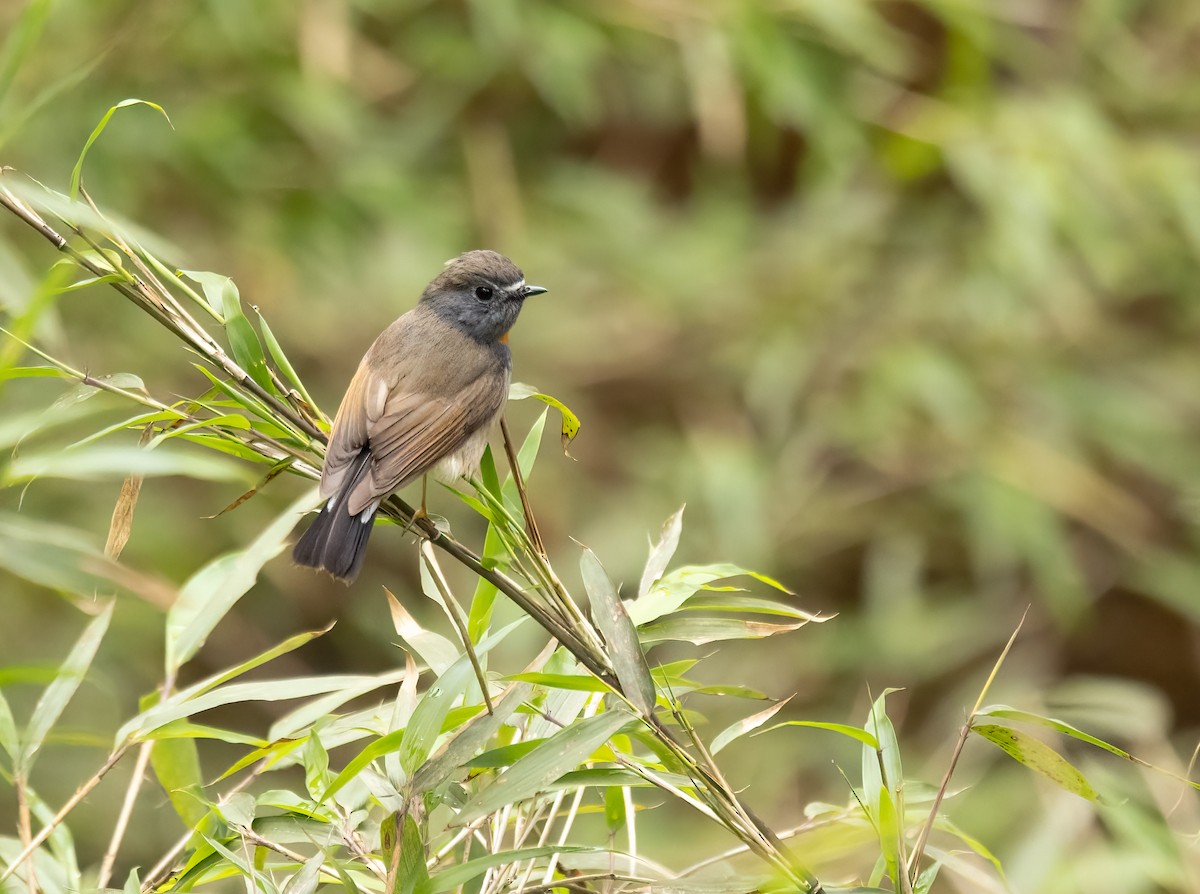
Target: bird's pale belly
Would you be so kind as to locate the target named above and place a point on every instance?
(465, 460)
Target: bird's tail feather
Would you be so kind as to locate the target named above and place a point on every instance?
(336, 541)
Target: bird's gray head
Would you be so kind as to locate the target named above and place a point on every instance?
(480, 293)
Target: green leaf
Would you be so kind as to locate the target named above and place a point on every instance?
(9, 739)
(432, 648)
(570, 422)
(700, 631)
(411, 871)
(1007, 713)
(662, 552)
(614, 809)
(32, 372)
(459, 875)
(468, 741)
(675, 588)
(221, 292)
(624, 650)
(882, 774)
(70, 674)
(573, 682)
(306, 880)
(77, 171)
(26, 30)
(852, 731)
(176, 764)
(427, 719)
(213, 590)
(563, 751)
(288, 645)
(745, 725)
(184, 729)
(99, 463)
(176, 707)
(1038, 756)
(281, 359)
(316, 767)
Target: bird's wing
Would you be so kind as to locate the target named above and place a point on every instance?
(407, 432)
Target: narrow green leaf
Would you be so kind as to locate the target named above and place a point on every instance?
(531, 774)
(852, 731)
(467, 742)
(26, 30)
(9, 740)
(70, 674)
(243, 340)
(32, 372)
(700, 631)
(745, 725)
(574, 682)
(1007, 713)
(488, 473)
(1038, 756)
(288, 645)
(258, 691)
(213, 590)
(427, 719)
(184, 729)
(281, 359)
(99, 463)
(662, 552)
(456, 876)
(77, 171)
(889, 835)
(624, 650)
(676, 587)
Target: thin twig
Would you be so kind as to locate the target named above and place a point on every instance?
(25, 828)
(122, 824)
(80, 793)
(914, 864)
(460, 623)
(535, 535)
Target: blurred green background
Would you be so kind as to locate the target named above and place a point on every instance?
(898, 297)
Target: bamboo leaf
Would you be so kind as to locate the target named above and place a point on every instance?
(1037, 756)
(624, 650)
(745, 725)
(66, 682)
(77, 171)
(555, 756)
(213, 590)
(662, 551)
(570, 422)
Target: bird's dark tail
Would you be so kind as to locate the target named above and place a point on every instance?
(336, 541)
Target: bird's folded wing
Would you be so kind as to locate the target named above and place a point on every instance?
(408, 432)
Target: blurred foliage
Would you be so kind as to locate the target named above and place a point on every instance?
(899, 296)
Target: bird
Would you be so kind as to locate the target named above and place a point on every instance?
(422, 402)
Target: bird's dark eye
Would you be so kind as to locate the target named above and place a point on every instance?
(483, 293)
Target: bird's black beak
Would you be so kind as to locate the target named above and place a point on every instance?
(530, 291)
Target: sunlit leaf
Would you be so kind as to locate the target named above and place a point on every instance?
(1038, 756)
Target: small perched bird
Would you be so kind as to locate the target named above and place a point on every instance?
(422, 401)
